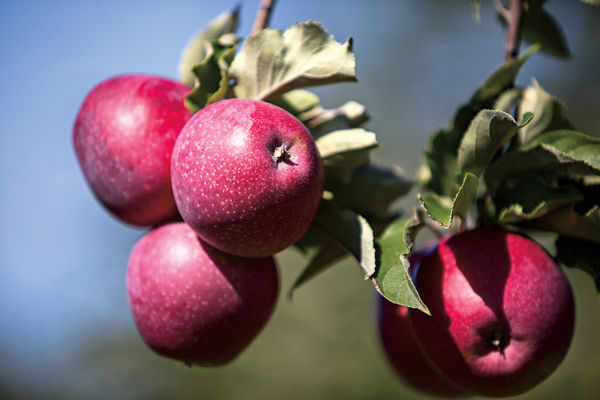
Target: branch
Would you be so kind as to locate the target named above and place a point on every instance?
(263, 16)
(514, 17)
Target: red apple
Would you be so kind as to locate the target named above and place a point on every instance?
(123, 137)
(247, 177)
(502, 312)
(194, 303)
(402, 350)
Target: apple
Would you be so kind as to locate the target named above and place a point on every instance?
(123, 137)
(247, 177)
(193, 303)
(402, 350)
(502, 312)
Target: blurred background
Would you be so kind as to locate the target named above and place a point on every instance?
(65, 327)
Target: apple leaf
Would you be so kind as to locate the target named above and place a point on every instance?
(212, 79)
(581, 254)
(570, 144)
(297, 101)
(538, 26)
(501, 80)
(371, 191)
(441, 166)
(271, 63)
(324, 258)
(351, 230)
(442, 209)
(344, 151)
(392, 279)
(550, 113)
(567, 221)
(530, 196)
(195, 51)
(507, 100)
(321, 120)
(488, 132)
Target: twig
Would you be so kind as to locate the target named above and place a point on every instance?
(263, 16)
(513, 35)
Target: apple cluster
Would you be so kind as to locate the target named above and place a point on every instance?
(223, 189)
(502, 317)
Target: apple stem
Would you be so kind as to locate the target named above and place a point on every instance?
(513, 17)
(263, 16)
(281, 154)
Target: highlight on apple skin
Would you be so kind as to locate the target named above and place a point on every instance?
(247, 177)
(502, 312)
(123, 137)
(196, 304)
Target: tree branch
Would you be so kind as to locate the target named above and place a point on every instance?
(263, 16)
(514, 17)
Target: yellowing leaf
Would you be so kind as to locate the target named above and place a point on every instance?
(271, 63)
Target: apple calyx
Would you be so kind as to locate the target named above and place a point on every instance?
(498, 340)
(281, 154)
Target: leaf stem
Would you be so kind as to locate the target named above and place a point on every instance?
(514, 18)
(263, 16)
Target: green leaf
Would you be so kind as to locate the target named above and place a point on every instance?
(570, 144)
(507, 100)
(371, 191)
(489, 132)
(392, 278)
(501, 80)
(440, 172)
(442, 209)
(538, 26)
(344, 151)
(580, 254)
(324, 258)
(321, 120)
(530, 196)
(568, 222)
(212, 79)
(195, 51)
(297, 101)
(550, 113)
(351, 230)
(271, 63)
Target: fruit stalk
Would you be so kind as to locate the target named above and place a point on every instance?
(514, 17)
(263, 16)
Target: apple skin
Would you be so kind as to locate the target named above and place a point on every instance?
(402, 350)
(193, 303)
(247, 177)
(123, 137)
(502, 312)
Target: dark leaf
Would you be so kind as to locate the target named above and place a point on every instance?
(581, 254)
(392, 278)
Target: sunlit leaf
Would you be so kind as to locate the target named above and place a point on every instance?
(271, 63)
(550, 113)
(344, 151)
(195, 51)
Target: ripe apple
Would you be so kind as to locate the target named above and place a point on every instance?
(402, 350)
(502, 312)
(194, 303)
(247, 177)
(123, 137)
